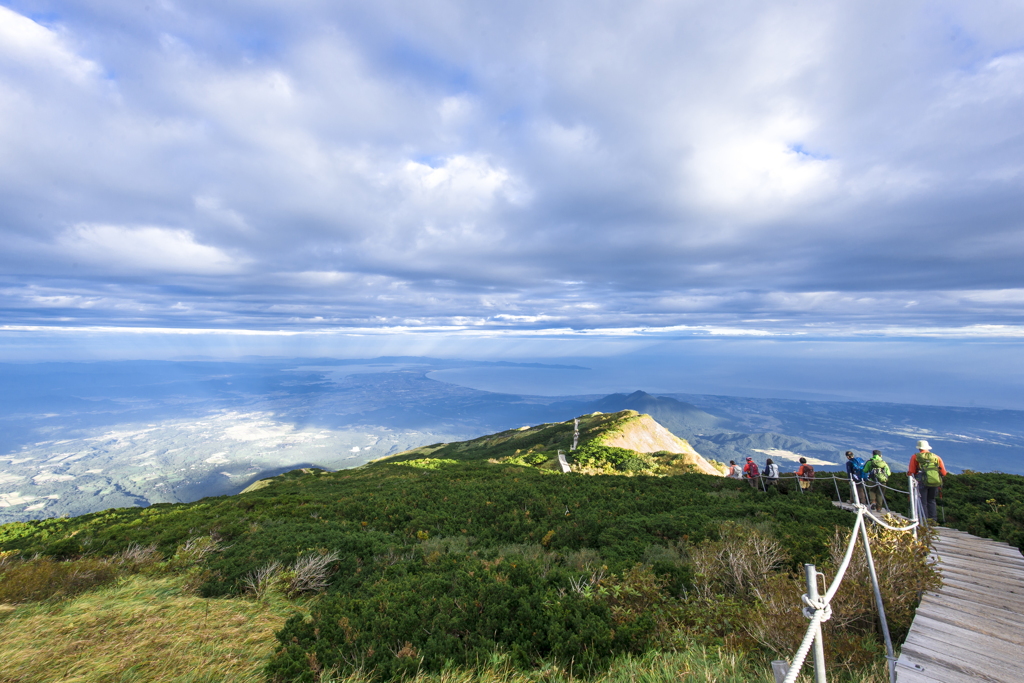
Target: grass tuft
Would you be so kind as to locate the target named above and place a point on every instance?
(42, 578)
(144, 629)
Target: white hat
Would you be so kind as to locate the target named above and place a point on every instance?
(923, 444)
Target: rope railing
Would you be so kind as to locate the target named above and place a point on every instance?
(818, 609)
(835, 478)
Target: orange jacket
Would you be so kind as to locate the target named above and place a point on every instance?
(913, 469)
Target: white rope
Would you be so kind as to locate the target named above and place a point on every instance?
(805, 647)
(846, 559)
(880, 522)
(820, 610)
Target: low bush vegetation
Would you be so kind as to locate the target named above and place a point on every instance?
(499, 569)
(990, 505)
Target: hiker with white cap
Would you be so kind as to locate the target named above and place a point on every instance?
(929, 470)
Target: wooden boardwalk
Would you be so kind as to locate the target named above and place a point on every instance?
(972, 629)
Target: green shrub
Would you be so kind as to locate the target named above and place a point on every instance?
(593, 455)
(426, 463)
(429, 613)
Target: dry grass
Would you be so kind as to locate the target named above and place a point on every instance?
(145, 629)
(42, 578)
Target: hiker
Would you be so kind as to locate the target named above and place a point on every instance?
(750, 470)
(929, 470)
(855, 470)
(734, 470)
(805, 475)
(876, 472)
(771, 473)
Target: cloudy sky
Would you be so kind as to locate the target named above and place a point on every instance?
(846, 170)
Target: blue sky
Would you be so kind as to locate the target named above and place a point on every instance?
(551, 173)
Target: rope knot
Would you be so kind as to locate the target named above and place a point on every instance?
(819, 605)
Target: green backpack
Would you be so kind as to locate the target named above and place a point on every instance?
(928, 463)
(880, 467)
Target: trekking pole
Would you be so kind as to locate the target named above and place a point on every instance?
(942, 504)
(912, 483)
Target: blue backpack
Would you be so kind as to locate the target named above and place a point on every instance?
(858, 467)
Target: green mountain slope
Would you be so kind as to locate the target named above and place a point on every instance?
(622, 442)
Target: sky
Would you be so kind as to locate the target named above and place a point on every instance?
(555, 177)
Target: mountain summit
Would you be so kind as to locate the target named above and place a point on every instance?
(643, 434)
(625, 441)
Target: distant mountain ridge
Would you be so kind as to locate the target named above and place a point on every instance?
(674, 415)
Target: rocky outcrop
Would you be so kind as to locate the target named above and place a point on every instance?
(644, 435)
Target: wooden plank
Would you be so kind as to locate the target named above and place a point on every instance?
(907, 672)
(996, 583)
(971, 561)
(997, 614)
(1011, 592)
(1009, 554)
(950, 656)
(940, 666)
(982, 599)
(982, 558)
(984, 652)
(980, 563)
(1007, 645)
(1012, 599)
(985, 573)
(992, 628)
(957, 533)
(984, 582)
(979, 667)
(975, 542)
(978, 651)
(987, 545)
(991, 619)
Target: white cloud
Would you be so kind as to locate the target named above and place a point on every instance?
(27, 43)
(144, 249)
(714, 166)
(460, 184)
